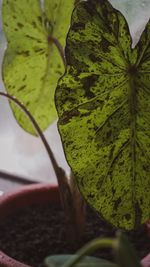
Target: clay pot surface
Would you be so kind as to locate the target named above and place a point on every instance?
(19, 199)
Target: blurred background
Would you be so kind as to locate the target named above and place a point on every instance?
(23, 154)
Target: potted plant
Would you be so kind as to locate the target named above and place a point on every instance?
(96, 99)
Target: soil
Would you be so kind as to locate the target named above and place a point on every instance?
(32, 234)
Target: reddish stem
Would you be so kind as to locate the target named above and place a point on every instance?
(59, 47)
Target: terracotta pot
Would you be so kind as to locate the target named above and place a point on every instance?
(26, 196)
(146, 261)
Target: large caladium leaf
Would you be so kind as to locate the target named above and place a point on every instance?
(33, 60)
(103, 103)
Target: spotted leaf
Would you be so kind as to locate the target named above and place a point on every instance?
(33, 61)
(103, 103)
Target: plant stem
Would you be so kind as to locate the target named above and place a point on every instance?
(67, 196)
(37, 128)
(59, 47)
(89, 248)
(60, 173)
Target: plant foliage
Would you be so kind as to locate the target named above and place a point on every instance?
(60, 260)
(122, 249)
(33, 60)
(103, 103)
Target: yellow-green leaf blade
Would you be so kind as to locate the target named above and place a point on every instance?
(103, 113)
(58, 12)
(32, 64)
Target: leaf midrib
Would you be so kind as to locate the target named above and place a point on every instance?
(132, 107)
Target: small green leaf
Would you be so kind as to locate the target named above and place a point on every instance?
(33, 63)
(103, 103)
(60, 260)
(125, 253)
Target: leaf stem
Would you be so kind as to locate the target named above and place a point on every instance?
(60, 173)
(59, 47)
(89, 248)
(74, 212)
(37, 128)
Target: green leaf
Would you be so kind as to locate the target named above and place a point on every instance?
(60, 260)
(33, 63)
(103, 103)
(125, 253)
